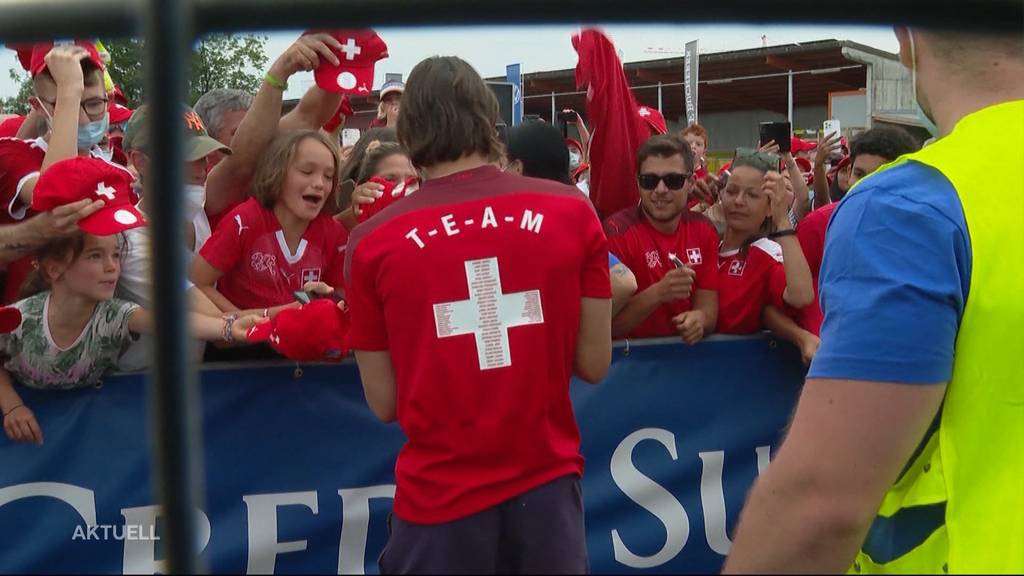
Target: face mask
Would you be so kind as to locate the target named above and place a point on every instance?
(926, 121)
(91, 134)
(105, 153)
(195, 199)
(574, 159)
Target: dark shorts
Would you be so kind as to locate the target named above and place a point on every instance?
(538, 532)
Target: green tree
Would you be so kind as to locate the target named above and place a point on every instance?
(17, 104)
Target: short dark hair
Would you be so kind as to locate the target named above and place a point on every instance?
(542, 150)
(889, 142)
(447, 112)
(664, 146)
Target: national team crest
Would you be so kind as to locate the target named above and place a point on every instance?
(310, 275)
(693, 255)
(736, 267)
(653, 259)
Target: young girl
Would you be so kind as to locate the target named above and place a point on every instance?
(385, 161)
(73, 330)
(275, 243)
(760, 262)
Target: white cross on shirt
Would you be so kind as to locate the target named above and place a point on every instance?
(488, 314)
(351, 49)
(106, 191)
(310, 275)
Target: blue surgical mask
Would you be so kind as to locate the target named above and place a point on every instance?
(91, 134)
(923, 117)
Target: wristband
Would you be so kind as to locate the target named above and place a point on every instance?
(229, 323)
(274, 82)
(782, 233)
(8, 413)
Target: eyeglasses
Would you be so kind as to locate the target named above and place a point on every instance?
(764, 160)
(673, 181)
(93, 107)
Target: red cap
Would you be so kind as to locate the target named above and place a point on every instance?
(9, 128)
(118, 113)
(583, 167)
(39, 52)
(574, 143)
(392, 193)
(10, 319)
(654, 119)
(344, 111)
(119, 96)
(801, 145)
(78, 178)
(841, 164)
(804, 164)
(361, 49)
(24, 54)
(314, 332)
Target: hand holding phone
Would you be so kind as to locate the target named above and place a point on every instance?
(780, 132)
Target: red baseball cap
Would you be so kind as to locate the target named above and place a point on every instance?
(9, 128)
(10, 319)
(314, 332)
(804, 164)
(392, 193)
(801, 145)
(654, 119)
(360, 51)
(79, 178)
(39, 52)
(118, 113)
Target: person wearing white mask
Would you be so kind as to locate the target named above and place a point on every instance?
(136, 280)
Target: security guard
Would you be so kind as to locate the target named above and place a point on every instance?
(908, 441)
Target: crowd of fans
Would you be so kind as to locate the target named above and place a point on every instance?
(270, 200)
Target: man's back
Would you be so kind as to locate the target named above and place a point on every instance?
(474, 284)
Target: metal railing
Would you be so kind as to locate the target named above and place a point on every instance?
(170, 24)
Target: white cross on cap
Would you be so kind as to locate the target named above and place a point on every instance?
(644, 111)
(106, 191)
(351, 49)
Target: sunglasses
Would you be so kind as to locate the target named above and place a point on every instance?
(765, 160)
(673, 181)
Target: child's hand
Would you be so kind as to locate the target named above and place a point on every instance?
(21, 426)
(321, 288)
(365, 193)
(240, 329)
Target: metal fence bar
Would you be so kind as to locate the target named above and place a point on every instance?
(175, 409)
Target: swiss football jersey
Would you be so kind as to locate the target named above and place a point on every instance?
(747, 283)
(259, 269)
(811, 233)
(645, 251)
(473, 284)
(20, 161)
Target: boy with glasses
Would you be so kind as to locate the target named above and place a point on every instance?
(672, 251)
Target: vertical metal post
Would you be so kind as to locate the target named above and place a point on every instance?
(659, 99)
(554, 111)
(175, 408)
(869, 96)
(790, 113)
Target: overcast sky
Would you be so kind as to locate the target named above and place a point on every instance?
(541, 48)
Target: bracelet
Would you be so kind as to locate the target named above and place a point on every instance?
(8, 413)
(274, 82)
(229, 323)
(782, 233)
(266, 312)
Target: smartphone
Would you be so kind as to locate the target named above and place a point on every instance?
(567, 116)
(349, 136)
(830, 127)
(780, 132)
(302, 297)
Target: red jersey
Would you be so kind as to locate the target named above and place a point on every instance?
(259, 270)
(645, 251)
(747, 284)
(811, 233)
(20, 161)
(473, 284)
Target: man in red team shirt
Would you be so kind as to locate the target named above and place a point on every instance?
(473, 302)
(67, 90)
(672, 251)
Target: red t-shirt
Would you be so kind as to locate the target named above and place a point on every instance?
(746, 284)
(645, 251)
(473, 284)
(811, 233)
(20, 161)
(259, 270)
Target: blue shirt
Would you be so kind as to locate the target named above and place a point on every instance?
(894, 279)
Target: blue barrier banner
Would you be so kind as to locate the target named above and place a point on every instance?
(299, 474)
